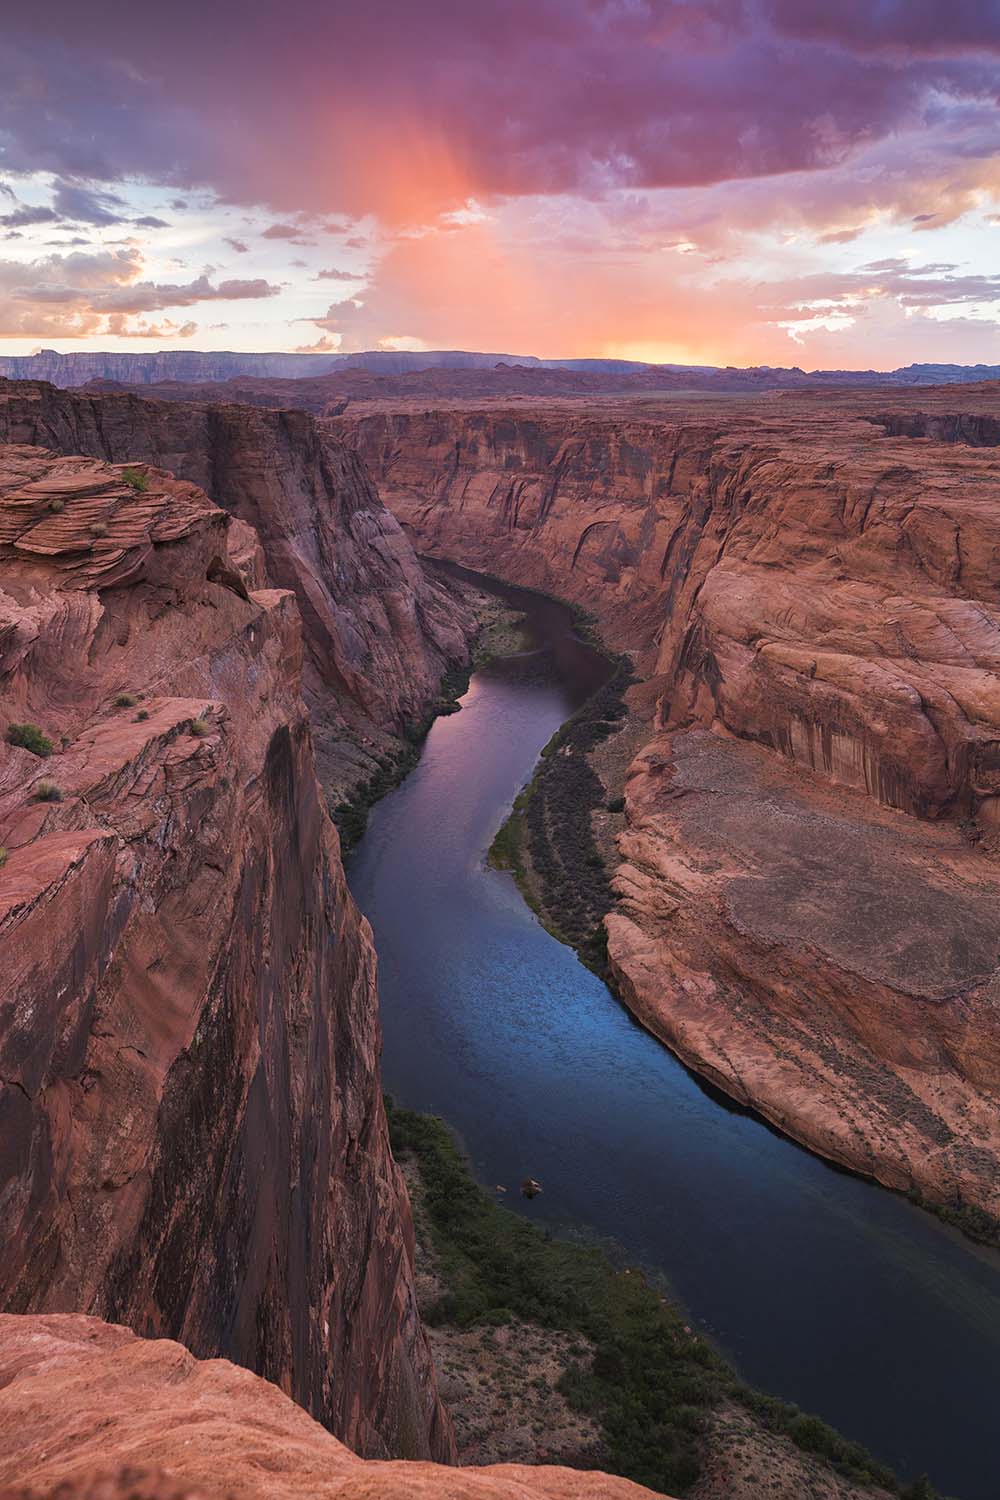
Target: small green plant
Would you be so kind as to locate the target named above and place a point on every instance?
(56, 505)
(99, 528)
(141, 715)
(200, 728)
(29, 737)
(3, 856)
(616, 804)
(126, 700)
(47, 791)
(136, 479)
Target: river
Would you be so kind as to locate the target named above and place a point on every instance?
(819, 1287)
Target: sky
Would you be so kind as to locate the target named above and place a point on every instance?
(783, 182)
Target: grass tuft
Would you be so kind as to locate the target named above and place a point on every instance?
(29, 737)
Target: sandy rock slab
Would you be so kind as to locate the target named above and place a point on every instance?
(90, 1412)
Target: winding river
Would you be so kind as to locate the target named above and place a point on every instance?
(819, 1287)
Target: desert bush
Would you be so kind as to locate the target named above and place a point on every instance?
(29, 737)
(47, 791)
(200, 728)
(135, 479)
(126, 700)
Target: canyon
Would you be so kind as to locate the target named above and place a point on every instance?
(377, 633)
(216, 615)
(807, 871)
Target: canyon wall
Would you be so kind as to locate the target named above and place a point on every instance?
(192, 1138)
(378, 635)
(89, 1412)
(809, 865)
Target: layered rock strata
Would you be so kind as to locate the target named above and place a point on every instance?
(192, 1138)
(812, 595)
(378, 634)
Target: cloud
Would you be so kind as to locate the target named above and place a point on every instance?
(27, 215)
(76, 295)
(239, 246)
(407, 111)
(332, 274)
(324, 345)
(87, 205)
(284, 232)
(150, 221)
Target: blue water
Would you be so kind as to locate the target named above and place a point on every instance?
(819, 1287)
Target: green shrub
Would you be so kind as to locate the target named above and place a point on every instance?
(200, 728)
(3, 856)
(56, 505)
(126, 700)
(47, 791)
(651, 1385)
(616, 804)
(29, 737)
(141, 715)
(99, 528)
(136, 479)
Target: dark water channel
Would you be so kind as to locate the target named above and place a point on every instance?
(819, 1287)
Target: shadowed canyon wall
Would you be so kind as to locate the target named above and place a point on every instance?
(809, 864)
(192, 1138)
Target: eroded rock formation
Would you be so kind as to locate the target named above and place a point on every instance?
(192, 1137)
(813, 597)
(90, 1412)
(377, 633)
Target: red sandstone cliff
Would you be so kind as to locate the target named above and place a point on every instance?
(192, 1138)
(89, 1412)
(377, 633)
(818, 588)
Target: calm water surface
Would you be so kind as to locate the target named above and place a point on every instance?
(819, 1287)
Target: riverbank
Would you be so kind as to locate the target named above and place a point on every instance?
(548, 1352)
(560, 844)
(817, 1285)
(498, 632)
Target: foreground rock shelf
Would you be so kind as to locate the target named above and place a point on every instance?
(89, 1411)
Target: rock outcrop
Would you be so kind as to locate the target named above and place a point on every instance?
(89, 1412)
(192, 1138)
(377, 633)
(812, 595)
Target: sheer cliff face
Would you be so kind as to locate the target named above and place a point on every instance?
(806, 890)
(377, 634)
(191, 1131)
(91, 1412)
